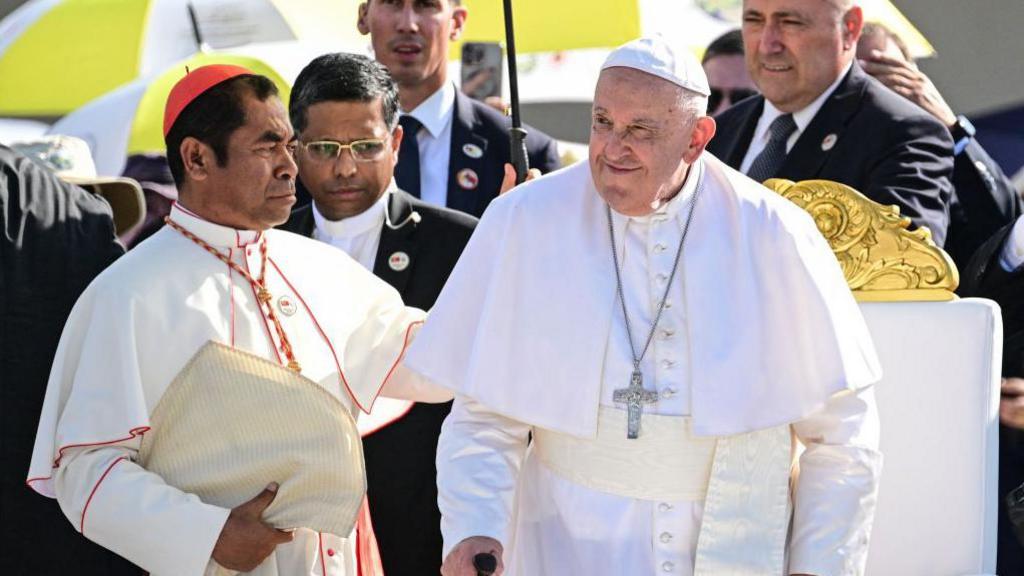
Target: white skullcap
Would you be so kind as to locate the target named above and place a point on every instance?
(656, 56)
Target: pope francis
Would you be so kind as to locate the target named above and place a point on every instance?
(672, 335)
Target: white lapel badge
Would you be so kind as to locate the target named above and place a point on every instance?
(473, 151)
(398, 261)
(467, 179)
(829, 142)
(287, 306)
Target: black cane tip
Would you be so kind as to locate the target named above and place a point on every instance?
(485, 563)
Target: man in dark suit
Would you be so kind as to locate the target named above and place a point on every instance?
(997, 272)
(984, 200)
(56, 238)
(822, 117)
(344, 110)
(456, 148)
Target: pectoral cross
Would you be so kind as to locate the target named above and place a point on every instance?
(634, 398)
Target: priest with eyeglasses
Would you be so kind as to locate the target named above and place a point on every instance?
(681, 346)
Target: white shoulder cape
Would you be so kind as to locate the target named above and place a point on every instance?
(523, 322)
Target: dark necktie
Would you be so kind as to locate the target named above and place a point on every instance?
(407, 172)
(770, 159)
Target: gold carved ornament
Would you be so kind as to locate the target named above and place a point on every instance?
(881, 259)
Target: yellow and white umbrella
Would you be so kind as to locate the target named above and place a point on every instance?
(129, 120)
(56, 55)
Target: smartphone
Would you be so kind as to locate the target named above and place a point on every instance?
(481, 69)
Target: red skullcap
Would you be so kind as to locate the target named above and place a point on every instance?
(193, 85)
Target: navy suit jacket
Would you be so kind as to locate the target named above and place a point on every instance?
(400, 471)
(478, 124)
(887, 148)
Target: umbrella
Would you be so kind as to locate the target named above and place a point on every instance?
(549, 26)
(56, 55)
(129, 120)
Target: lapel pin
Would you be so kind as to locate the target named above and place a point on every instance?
(398, 261)
(473, 151)
(287, 306)
(829, 142)
(467, 179)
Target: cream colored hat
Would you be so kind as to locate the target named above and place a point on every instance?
(667, 60)
(231, 423)
(71, 160)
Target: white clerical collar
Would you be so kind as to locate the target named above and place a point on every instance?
(674, 206)
(802, 117)
(436, 111)
(215, 235)
(353, 226)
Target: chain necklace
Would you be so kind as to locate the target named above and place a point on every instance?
(263, 295)
(635, 395)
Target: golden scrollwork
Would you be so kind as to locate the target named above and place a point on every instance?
(881, 259)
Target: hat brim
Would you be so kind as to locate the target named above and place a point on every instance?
(124, 196)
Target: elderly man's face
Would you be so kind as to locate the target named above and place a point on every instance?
(255, 189)
(795, 49)
(642, 140)
(350, 182)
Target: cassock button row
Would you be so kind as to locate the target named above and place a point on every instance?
(666, 364)
(668, 392)
(330, 551)
(662, 278)
(665, 537)
(659, 248)
(668, 333)
(664, 506)
(667, 566)
(668, 304)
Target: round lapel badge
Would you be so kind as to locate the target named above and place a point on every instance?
(829, 142)
(287, 306)
(467, 179)
(473, 151)
(398, 261)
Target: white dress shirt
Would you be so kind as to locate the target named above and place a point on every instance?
(435, 143)
(802, 119)
(358, 236)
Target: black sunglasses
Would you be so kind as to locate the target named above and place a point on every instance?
(734, 95)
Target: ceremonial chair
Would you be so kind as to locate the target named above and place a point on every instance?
(939, 395)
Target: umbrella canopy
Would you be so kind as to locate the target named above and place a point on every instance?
(56, 55)
(129, 120)
(548, 26)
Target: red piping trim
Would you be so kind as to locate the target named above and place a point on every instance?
(273, 343)
(81, 526)
(231, 294)
(405, 344)
(323, 562)
(133, 433)
(187, 211)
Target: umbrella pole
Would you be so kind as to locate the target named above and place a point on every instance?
(517, 135)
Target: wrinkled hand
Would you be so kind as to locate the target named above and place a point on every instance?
(906, 80)
(246, 541)
(509, 181)
(1011, 406)
(460, 560)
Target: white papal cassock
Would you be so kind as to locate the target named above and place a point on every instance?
(759, 334)
(138, 324)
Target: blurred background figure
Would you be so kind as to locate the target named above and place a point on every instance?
(153, 174)
(727, 72)
(56, 238)
(984, 200)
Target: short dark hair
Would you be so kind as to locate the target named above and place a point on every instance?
(213, 117)
(342, 77)
(728, 44)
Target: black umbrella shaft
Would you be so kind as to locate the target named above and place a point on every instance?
(513, 75)
(517, 136)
